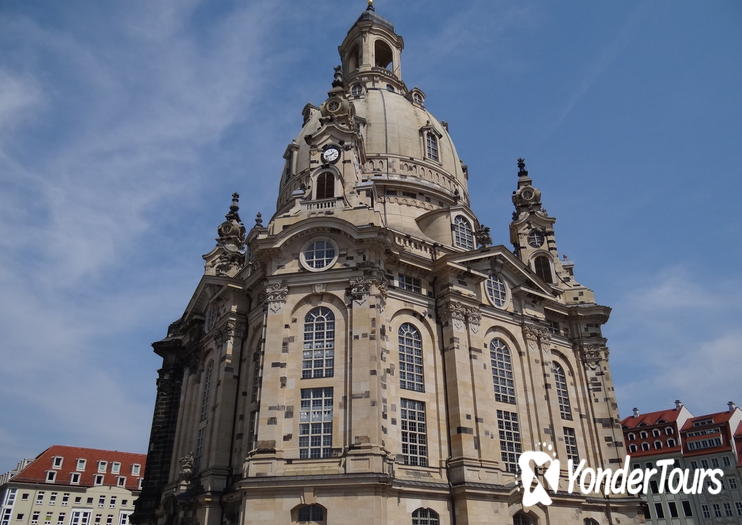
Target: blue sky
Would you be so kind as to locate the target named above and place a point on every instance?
(125, 127)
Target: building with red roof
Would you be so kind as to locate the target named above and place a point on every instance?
(73, 486)
(711, 441)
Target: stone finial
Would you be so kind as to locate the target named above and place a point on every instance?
(370, 6)
(337, 77)
(483, 236)
(636, 412)
(234, 208)
(259, 220)
(522, 171)
(678, 404)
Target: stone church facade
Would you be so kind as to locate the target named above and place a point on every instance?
(366, 355)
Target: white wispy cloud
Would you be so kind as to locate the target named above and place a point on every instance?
(102, 135)
(677, 336)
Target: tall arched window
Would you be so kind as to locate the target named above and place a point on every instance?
(382, 55)
(542, 267)
(523, 519)
(411, 358)
(590, 521)
(319, 343)
(206, 390)
(502, 372)
(425, 517)
(431, 146)
(463, 234)
(311, 514)
(325, 186)
(560, 381)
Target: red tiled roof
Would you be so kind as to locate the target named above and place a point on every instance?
(718, 417)
(36, 471)
(651, 418)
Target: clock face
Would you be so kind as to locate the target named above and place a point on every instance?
(331, 154)
(536, 238)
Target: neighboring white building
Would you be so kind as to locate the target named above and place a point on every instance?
(73, 486)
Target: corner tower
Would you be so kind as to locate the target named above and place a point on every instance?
(366, 355)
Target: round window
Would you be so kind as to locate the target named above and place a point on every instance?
(319, 254)
(356, 90)
(497, 290)
(536, 238)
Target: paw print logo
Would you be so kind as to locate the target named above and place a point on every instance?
(528, 462)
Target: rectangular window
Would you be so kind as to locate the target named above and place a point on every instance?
(414, 433)
(35, 518)
(509, 430)
(687, 509)
(98, 480)
(658, 510)
(60, 518)
(57, 462)
(732, 483)
(115, 467)
(717, 510)
(80, 517)
(570, 442)
(102, 466)
(24, 496)
(141, 480)
(726, 461)
(252, 430)
(65, 499)
(75, 478)
(112, 502)
(40, 497)
(51, 476)
(109, 519)
(19, 516)
(124, 518)
(135, 469)
(673, 509)
(53, 498)
(411, 284)
(728, 509)
(98, 517)
(121, 481)
(739, 508)
(81, 465)
(315, 423)
(101, 501)
(6, 516)
(715, 462)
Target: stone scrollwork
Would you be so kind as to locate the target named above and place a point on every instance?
(455, 313)
(275, 296)
(593, 355)
(186, 466)
(473, 317)
(535, 333)
(360, 288)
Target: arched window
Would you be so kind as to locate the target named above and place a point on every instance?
(325, 186)
(354, 59)
(632, 448)
(590, 521)
(425, 517)
(206, 390)
(411, 358)
(463, 234)
(311, 514)
(643, 434)
(383, 55)
(656, 432)
(502, 372)
(632, 436)
(523, 519)
(668, 431)
(431, 146)
(542, 267)
(560, 381)
(645, 446)
(319, 343)
(657, 445)
(670, 442)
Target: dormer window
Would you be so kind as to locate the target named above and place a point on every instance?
(431, 146)
(463, 234)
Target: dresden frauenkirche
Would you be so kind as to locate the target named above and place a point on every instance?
(366, 355)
